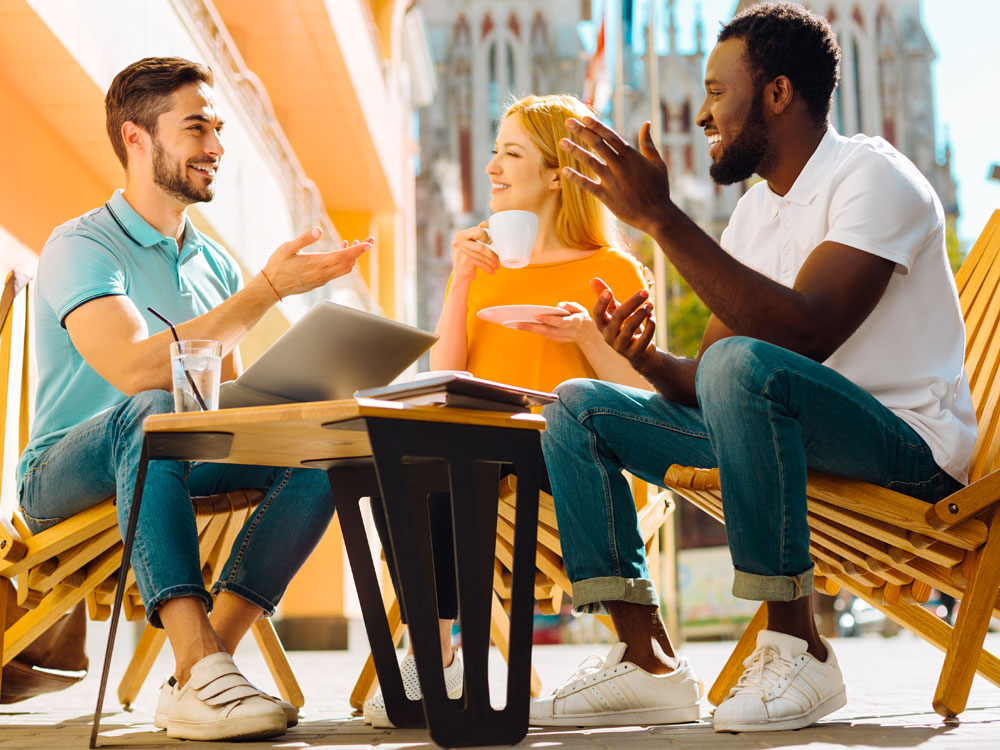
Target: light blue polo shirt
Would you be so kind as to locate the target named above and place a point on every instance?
(109, 251)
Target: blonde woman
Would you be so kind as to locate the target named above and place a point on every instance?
(576, 243)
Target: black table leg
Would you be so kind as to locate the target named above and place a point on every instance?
(473, 455)
(349, 485)
(127, 542)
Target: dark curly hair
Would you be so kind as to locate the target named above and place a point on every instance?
(786, 39)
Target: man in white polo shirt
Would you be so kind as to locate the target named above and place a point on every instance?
(836, 342)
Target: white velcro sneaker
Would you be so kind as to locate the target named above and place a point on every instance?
(167, 690)
(218, 703)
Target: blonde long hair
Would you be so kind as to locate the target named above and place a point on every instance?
(582, 221)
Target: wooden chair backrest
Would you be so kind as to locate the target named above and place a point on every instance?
(15, 383)
(978, 282)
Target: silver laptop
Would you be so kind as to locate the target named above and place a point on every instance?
(328, 354)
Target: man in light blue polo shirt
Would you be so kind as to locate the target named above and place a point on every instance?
(104, 366)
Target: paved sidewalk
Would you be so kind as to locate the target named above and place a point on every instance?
(890, 685)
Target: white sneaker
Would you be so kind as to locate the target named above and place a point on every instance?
(218, 703)
(167, 689)
(783, 687)
(615, 693)
(374, 709)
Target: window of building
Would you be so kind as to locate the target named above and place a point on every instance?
(500, 63)
(856, 57)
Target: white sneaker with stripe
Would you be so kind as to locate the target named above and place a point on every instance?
(783, 687)
(613, 692)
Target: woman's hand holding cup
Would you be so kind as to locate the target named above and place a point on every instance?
(470, 252)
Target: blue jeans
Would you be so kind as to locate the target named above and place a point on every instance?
(99, 458)
(766, 414)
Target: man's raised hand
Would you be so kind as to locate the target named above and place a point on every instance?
(291, 271)
(627, 327)
(633, 183)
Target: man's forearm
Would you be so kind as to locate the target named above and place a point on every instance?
(748, 302)
(609, 364)
(111, 336)
(233, 319)
(672, 377)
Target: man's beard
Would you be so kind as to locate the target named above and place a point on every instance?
(749, 152)
(175, 181)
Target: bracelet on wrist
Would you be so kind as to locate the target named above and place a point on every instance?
(270, 285)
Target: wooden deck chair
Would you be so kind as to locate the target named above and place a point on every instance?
(78, 560)
(551, 582)
(891, 550)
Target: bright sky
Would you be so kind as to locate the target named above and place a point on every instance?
(964, 33)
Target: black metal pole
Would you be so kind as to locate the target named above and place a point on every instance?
(133, 519)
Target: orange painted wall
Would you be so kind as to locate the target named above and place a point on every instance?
(43, 181)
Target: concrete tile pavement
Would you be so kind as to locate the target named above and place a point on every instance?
(890, 685)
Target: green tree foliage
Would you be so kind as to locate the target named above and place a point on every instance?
(687, 318)
(687, 315)
(956, 253)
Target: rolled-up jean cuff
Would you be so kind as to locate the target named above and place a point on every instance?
(590, 594)
(251, 596)
(772, 588)
(185, 589)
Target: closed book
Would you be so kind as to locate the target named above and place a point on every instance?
(463, 392)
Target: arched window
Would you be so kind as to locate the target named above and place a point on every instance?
(856, 58)
(541, 50)
(888, 76)
(461, 77)
(500, 79)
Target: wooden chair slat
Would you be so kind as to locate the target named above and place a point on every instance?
(917, 592)
(56, 603)
(977, 264)
(547, 535)
(75, 558)
(891, 507)
(150, 644)
(61, 537)
(918, 620)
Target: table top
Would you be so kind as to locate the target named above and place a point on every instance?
(294, 434)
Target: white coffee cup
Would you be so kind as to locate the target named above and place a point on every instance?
(512, 236)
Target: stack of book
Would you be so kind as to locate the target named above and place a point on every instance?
(462, 391)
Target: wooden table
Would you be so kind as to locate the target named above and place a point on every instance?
(400, 453)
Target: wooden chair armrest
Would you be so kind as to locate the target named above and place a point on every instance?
(12, 546)
(691, 478)
(966, 502)
(891, 507)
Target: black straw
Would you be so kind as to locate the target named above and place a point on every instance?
(197, 393)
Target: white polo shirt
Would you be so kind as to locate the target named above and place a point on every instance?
(909, 353)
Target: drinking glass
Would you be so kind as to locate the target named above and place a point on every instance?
(196, 367)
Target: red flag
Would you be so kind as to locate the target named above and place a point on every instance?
(597, 82)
